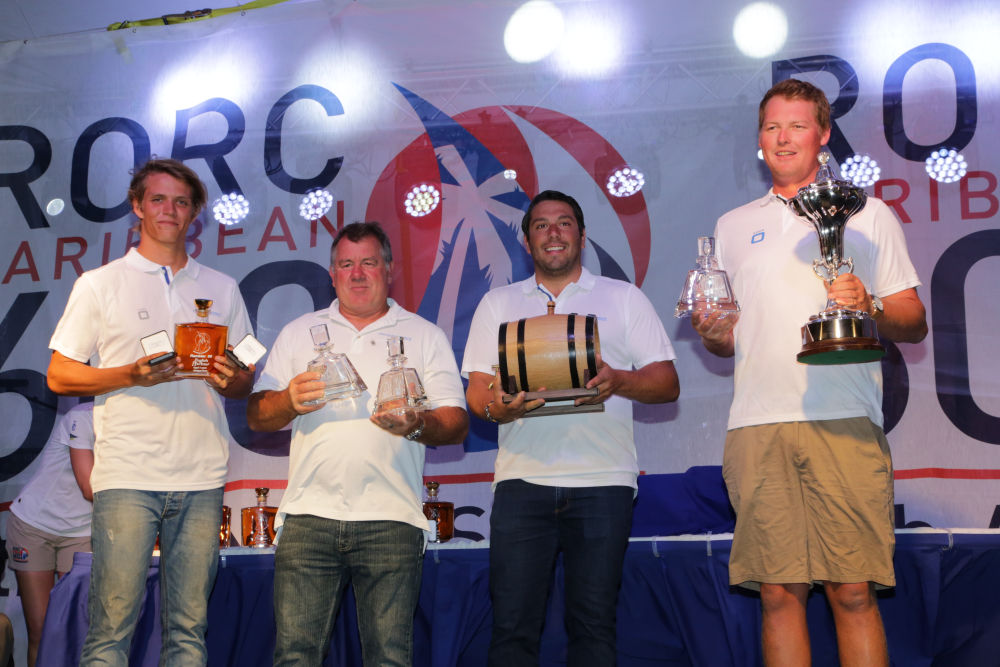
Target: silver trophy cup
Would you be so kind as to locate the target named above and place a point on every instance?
(836, 335)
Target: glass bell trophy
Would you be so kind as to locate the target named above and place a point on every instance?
(399, 389)
(707, 287)
(335, 369)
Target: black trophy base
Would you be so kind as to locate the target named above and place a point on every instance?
(840, 337)
(559, 402)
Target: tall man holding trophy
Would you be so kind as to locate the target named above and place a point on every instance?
(564, 481)
(806, 462)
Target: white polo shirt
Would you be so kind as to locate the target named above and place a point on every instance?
(52, 500)
(173, 436)
(341, 466)
(586, 449)
(768, 252)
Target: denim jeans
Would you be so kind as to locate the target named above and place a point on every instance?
(529, 526)
(317, 558)
(124, 530)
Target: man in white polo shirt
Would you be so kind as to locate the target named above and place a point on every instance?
(806, 462)
(162, 444)
(564, 482)
(352, 511)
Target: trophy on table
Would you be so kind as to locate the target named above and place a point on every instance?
(707, 287)
(836, 335)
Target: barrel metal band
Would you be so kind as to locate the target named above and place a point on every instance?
(574, 376)
(502, 351)
(522, 361)
(591, 356)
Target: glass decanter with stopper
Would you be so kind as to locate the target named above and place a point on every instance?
(258, 521)
(440, 515)
(707, 286)
(399, 389)
(335, 369)
(196, 343)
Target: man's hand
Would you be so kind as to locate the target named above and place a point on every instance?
(398, 424)
(608, 381)
(716, 330)
(144, 374)
(850, 293)
(306, 386)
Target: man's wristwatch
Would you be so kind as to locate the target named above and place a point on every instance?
(415, 434)
(877, 309)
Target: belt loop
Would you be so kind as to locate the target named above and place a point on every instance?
(708, 544)
(656, 553)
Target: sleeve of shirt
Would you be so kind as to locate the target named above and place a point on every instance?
(648, 340)
(893, 271)
(239, 319)
(80, 433)
(442, 383)
(78, 329)
(278, 371)
(481, 348)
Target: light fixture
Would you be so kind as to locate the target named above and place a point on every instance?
(421, 200)
(533, 31)
(946, 165)
(510, 174)
(55, 207)
(760, 29)
(625, 182)
(861, 170)
(315, 204)
(230, 209)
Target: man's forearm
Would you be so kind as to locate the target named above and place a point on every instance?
(270, 410)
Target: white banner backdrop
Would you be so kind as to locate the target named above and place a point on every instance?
(370, 102)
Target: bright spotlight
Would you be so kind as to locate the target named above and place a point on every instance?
(230, 209)
(592, 46)
(946, 165)
(510, 174)
(533, 31)
(315, 204)
(421, 200)
(760, 29)
(625, 182)
(861, 170)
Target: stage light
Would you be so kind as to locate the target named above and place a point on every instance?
(533, 31)
(315, 204)
(946, 165)
(625, 182)
(861, 170)
(55, 207)
(592, 45)
(230, 209)
(510, 174)
(421, 200)
(760, 29)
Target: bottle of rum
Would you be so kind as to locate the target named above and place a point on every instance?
(258, 521)
(196, 343)
(440, 515)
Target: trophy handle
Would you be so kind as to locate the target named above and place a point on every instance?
(824, 272)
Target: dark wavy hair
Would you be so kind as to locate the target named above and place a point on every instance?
(552, 195)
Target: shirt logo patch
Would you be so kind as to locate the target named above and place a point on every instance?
(757, 237)
(20, 554)
(143, 314)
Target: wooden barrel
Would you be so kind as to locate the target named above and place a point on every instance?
(551, 351)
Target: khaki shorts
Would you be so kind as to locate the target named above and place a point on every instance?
(33, 550)
(813, 503)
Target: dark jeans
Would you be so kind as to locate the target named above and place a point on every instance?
(529, 526)
(315, 561)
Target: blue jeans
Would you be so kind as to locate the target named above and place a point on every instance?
(529, 526)
(124, 530)
(317, 558)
